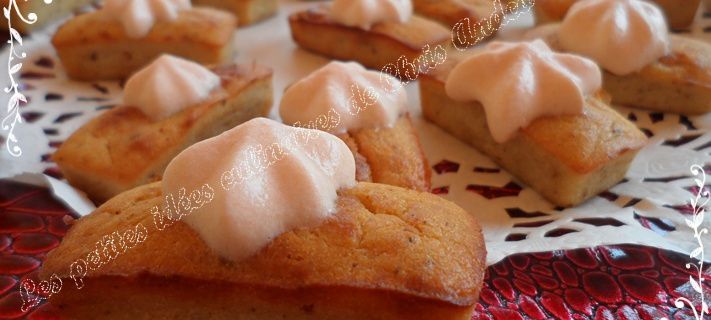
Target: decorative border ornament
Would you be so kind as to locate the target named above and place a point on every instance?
(13, 116)
(698, 205)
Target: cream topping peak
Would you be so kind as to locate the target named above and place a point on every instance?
(520, 82)
(168, 85)
(262, 178)
(623, 36)
(366, 13)
(139, 16)
(351, 96)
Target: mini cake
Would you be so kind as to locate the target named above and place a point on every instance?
(536, 113)
(369, 113)
(246, 11)
(679, 14)
(292, 236)
(124, 36)
(643, 65)
(387, 36)
(168, 106)
(46, 13)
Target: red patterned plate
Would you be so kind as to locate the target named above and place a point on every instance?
(609, 282)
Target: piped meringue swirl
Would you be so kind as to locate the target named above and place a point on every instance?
(139, 16)
(273, 179)
(520, 82)
(168, 85)
(366, 13)
(355, 95)
(623, 36)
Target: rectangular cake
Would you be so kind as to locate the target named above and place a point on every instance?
(566, 159)
(122, 148)
(94, 46)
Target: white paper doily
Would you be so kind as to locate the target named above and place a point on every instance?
(647, 208)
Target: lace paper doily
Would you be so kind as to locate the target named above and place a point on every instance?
(649, 207)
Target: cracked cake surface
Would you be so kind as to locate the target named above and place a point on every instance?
(381, 237)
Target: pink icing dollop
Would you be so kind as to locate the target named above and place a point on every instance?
(168, 85)
(366, 13)
(350, 97)
(139, 16)
(623, 36)
(266, 178)
(520, 82)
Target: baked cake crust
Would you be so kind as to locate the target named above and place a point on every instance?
(400, 252)
(566, 159)
(449, 12)
(390, 155)
(246, 11)
(680, 15)
(122, 148)
(679, 82)
(384, 44)
(94, 46)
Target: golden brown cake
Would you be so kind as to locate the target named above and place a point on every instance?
(386, 43)
(94, 46)
(122, 148)
(679, 82)
(369, 117)
(46, 13)
(387, 253)
(246, 11)
(547, 11)
(566, 159)
(679, 13)
(449, 12)
(390, 155)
